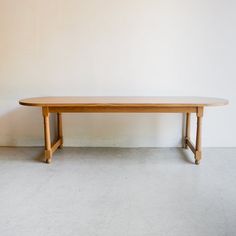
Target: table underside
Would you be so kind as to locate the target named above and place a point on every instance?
(51, 147)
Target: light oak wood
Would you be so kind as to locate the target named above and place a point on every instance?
(60, 105)
(198, 154)
(123, 101)
(47, 138)
(59, 128)
(187, 129)
(121, 109)
(56, 145)
(190, 145)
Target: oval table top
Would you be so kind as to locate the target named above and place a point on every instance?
(137, 101)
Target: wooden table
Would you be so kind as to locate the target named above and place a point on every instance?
(185, 105)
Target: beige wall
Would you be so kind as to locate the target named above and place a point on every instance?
(116, 47)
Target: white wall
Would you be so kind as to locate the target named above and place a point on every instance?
(117, 47)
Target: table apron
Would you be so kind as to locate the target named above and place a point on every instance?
(123, 109)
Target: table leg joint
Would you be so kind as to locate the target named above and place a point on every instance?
(56, 145)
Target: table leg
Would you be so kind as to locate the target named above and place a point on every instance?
(198, 153)
(187, 130)
(47, 138)
(59, 128)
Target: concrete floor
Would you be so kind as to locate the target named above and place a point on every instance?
(117, 192)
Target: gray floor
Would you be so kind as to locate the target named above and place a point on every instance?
(117, 192)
